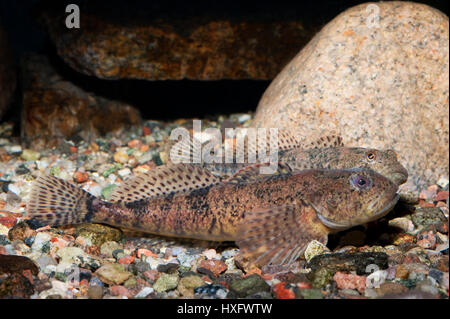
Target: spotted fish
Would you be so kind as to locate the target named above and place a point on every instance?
(327, 152)
(271, 218)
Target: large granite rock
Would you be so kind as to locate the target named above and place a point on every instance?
(7, 73)
(55, 109)
(378, 83)
(176, 47)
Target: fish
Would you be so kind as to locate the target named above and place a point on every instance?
(271, 218)
(327, 152)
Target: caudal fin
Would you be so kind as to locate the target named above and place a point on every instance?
(56, 202)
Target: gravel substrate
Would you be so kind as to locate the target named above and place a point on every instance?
(403, 255)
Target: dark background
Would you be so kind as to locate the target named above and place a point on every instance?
(170, 99)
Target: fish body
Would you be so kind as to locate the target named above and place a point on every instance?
(327, 152)
(383, 162)
(266, 216)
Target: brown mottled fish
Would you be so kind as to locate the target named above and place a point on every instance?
(327, 152)
(271, 218)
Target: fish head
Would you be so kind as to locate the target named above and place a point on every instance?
(384, 162)
(350, 197)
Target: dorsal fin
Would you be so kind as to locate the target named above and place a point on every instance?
(279, 235)
(163, 180)
(185, 148)
(254, 173)
(326, 141)
(183, 151)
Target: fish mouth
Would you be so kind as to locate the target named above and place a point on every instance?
(354, 222)
(386, 209)
(399, 178)
(332, 224)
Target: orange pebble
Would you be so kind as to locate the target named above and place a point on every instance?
(423, 203)
(134, 143)
(145, 252)
(146, 131)
(8, 221)
(282, 292)
(252, 270)
(126, 260)
(80, 177)
(84, 282)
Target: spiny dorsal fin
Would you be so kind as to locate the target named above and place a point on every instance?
(254, 172)
(326, 141)
(54, 201)
(163, 180)
(184, 153)
(279, 235)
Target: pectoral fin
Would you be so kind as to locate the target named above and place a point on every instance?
(279, 235)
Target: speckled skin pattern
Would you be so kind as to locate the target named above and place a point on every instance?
(383, 162)
(377, 83)
(215, 213)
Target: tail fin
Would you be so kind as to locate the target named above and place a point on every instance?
(56, 202)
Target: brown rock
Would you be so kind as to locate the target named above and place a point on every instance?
(55, 109)
(7, 73)
(401, 272)
(442, 263)
(216, 267)
(21, 231)
(95, 292)
(160, 49)
(15, 276)
(390, 288)
(381, 84)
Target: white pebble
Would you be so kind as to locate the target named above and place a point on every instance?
(314, 248)
(111, 178)
(443, 182)
(13, 149)
(40, 240)
(244, 118)
(42, 164)
(95, 190)
(375, 279)
(221, 293)
(49, 269)
(210, 254)
(153, 262)
(3, 141)
(4, 230)
(144, 292)
(124, 172)
(14, 189)
(403, 223)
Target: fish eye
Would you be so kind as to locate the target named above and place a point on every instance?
(361, 182)
(371, 156)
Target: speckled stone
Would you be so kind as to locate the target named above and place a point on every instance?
(55, 109)
(381, 84)
(191, 48)
(7, 73)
